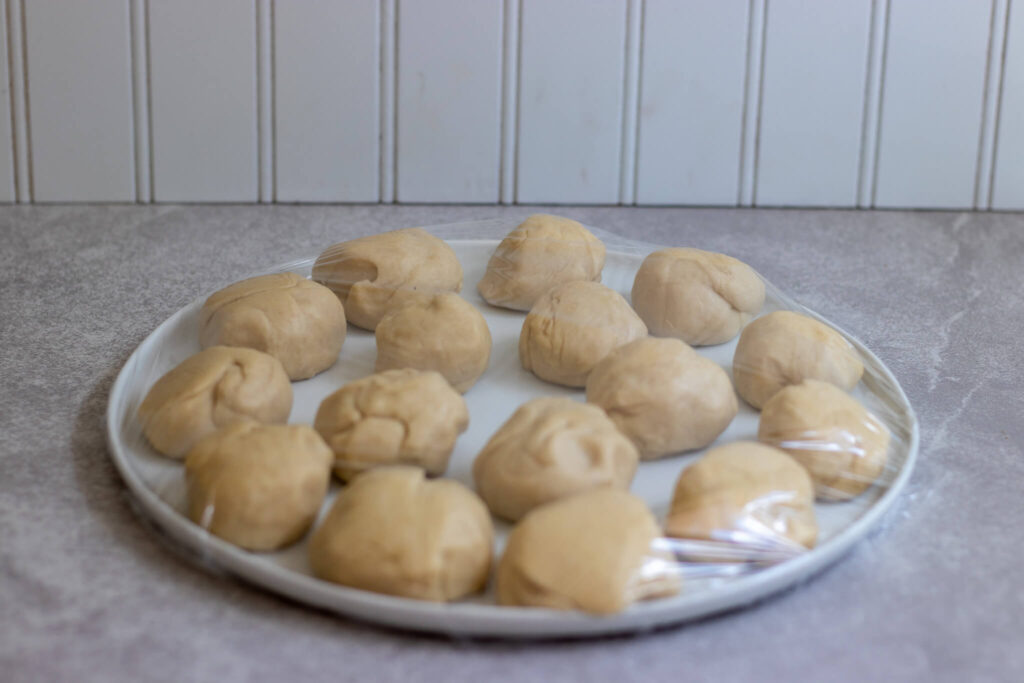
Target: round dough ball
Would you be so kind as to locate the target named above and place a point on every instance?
(298, 322)
(591, 552)
(373, 275)
(398, 417)
(784, 348)
(841, 444)
(744, 491)
(551, 448)
(698, 296)
(444, 333)
(214, 388)
(393, 531)
(258, 486)
(542, 252)
(663, 395)
(572, 328)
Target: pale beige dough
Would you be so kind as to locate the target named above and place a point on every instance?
(543, 251)
(663, 395)
(551, 448)
(258, 486)
(698, 296)
(572, 327)
(393, 531)
(298, 322)
(216, 387)
(397, 417)
(744, 490)
(784, 348)
(841, 444)
(372, 275)
(585, 552)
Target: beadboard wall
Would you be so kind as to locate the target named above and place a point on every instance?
(847, 103)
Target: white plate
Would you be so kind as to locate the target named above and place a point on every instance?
(158, 484)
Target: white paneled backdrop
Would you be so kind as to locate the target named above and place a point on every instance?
(847, 103)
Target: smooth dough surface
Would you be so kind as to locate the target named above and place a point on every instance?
(216, 387)
(572, 327)
(397, 417)
(374, 274)
(784, 348)
(295, 320)
(444, 333)
(584, 552)
(663, 395)
(542, 252)
(258, 486)
(842, 445)
(551, 448)
(698, 296)
(744, 491)
(393, 531)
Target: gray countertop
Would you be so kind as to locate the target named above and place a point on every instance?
(88, 592)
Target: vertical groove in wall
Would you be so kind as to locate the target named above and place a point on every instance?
(639, 100)
(997, 122)
(990, 105)
(388, 89)
(630, 102)
(264, 151)
(16, 62)
(509, 79)
(751, 101)
(872, 96)
(140, 99)
(518, 102)
(872, 190)
(10, 103)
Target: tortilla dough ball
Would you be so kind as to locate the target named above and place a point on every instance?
(841, 444)
(744, 491)
(393, 531)
(663, 395)
(444, 333)
(211, 389)
(373, 275)
(591, 552)
(258, 486)
(551, 448)
(784, 348)
(542, 252)
(698, 296)
(398, 417)
(572, 328)
(298, 322)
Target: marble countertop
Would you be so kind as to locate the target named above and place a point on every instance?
(89, 592)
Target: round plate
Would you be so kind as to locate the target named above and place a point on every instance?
(158, 482)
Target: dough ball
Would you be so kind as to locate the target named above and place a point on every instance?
(572, 328)
(397, 417)
(372, 275)
(591, 552)
(444, 333)
(298, 322)
(698, 296)
(784, 348)
(393, 531)
(542, 252)
(744, 491)
(258, 486)
(663, 395)
(211, 389)
(841, 444)
(551, 448)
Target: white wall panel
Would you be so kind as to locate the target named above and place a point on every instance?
(203, 93)
(932, 103)
(327, 101)
(449, 100)
(80, 100)
(1008, 180)
(812, 102)
(6, 138)
(691, 101)
(570, 100)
